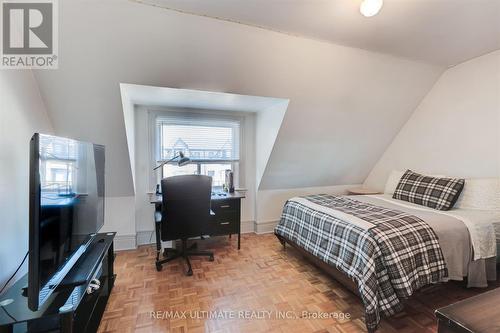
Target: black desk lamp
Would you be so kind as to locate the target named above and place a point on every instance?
(183, 160)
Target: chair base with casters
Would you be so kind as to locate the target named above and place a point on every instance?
(185, 213)
(185, 252)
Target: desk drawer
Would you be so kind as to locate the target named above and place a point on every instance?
(225, 205)
(225, 223)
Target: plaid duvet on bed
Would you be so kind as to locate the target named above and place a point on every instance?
(397, 254)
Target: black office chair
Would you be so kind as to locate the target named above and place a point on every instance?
(185, 214)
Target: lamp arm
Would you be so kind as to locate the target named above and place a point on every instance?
(165, 162)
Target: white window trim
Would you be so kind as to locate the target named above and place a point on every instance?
(153, 115)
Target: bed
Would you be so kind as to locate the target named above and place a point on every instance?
(385, 249)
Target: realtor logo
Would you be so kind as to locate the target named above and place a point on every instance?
(29, 34)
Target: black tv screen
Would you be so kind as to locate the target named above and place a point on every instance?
(66, 209)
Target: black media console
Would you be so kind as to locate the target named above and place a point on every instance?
(73, 307)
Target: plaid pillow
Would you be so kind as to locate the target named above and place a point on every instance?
(433, 192)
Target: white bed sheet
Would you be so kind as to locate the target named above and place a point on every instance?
(480, 223)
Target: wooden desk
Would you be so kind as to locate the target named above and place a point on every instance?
(227, 210)
(478, 314)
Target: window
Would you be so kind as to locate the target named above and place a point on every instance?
(212, 144)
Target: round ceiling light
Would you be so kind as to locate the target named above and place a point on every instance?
(371, 8)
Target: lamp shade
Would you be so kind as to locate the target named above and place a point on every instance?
(183, 161)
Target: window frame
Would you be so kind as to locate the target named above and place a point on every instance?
(154, 142)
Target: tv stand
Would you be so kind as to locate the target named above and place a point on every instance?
(70, 308)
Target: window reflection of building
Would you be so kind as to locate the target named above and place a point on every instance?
(58, 159)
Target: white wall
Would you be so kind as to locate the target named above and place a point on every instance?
(265, 135)
(456, 129)
(269, 204)
(119, 217)
(22, 113)
(129, 123)
(144, 177)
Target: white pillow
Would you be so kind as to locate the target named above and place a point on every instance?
(393, 181)
(480, 193)
(394, 178)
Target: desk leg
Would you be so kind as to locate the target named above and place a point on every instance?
(158, 240)
(239, 238)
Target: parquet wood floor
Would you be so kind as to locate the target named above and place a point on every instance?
(259, 277)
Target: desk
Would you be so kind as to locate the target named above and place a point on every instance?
(479, 314)
(227, 218)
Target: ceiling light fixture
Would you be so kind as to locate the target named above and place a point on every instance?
(371, 8)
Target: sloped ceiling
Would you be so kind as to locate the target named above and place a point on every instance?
(443, 32)
(345, 107)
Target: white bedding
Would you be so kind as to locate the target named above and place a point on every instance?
(479, 223)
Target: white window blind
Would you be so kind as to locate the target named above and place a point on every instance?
(199, 138)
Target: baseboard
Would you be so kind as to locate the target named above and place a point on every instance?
(148, 236)
(145, 237)
(247, 227)
(125, 242)
(265, 227)
(128, 242)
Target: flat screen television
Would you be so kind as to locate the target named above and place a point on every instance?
(66, 209)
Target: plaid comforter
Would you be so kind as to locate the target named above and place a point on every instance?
(388, 253)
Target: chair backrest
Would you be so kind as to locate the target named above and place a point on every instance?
(186, 206)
